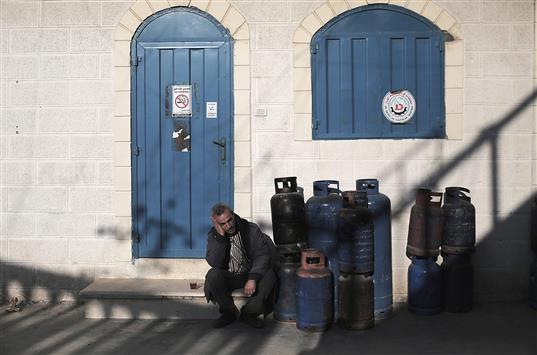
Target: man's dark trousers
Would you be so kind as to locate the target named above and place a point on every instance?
(221, 283)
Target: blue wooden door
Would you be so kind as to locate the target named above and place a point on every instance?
(183, 164)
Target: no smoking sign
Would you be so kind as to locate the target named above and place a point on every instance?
(182, 105)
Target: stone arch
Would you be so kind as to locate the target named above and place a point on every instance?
(230, 18)
(454, 60)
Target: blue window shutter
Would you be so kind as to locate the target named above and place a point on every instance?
(354, 67)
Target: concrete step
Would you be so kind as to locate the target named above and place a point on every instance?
(150, 299)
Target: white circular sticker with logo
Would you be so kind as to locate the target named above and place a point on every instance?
(398, 106)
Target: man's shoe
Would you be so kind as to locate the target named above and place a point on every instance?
(252, 320)
(225, 319)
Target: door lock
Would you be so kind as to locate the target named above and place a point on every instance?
(222, 144)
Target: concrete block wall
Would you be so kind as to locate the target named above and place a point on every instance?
(65, 141)
(56, 133)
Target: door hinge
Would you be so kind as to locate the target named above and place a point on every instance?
(315, 125)
(314, 48)
(136, 237)
(136, 151)
(136, 61)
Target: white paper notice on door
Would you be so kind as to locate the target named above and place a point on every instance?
(182, 100)
(211, 109)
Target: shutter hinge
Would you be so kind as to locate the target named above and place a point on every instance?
(136, 237)
(315, 125)
(314, 48)
(136, 61)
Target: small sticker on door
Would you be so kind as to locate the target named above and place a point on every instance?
(211, 109)
(181, 137)
(182, 100)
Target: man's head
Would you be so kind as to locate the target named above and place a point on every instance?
(223, 215)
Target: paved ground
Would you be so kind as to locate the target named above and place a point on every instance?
(508, 328)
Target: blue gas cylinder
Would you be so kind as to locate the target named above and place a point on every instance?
(355, 234)
(321, 218)
(533, 283)
(424, 286)
(380, 205)
(458, 282)
(285, 306)
(314, 298)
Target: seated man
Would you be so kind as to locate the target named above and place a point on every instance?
(240, 256)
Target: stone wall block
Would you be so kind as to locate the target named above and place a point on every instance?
(356, 3)
(18, 121)
(282, 145)
(488, 91)
(122, 78)
(87, 147)
(243, 204)
(66, 224)
(339, 6)
(121, 203)
(121, 129)
(18, 172)
(454, 125)
(242, 33)
(274, 36)
(38, 40)
(112, 12)
(122, 153)
(508, 11)
(19, 67)
(39, 93)
(19, 14)
(70, 13)
(445, 21)
(242, 102)
(68, 66)
(64, 120)
(39, 251)
(130, 21)
(243, 179)
(302, 127)
(301, 55)
(122, 178)
(90, 199)
(301, 36)
(454, 101)
(302, 79)
(243, 154)
(91, 40)
(311, 23)
(264, 171)
(508, 64)
(431, 11)
(122, 103)
(325, 12)
(105, 174)
(242, 128)
(454, 53)
(158, 5)
(416, 5)
(90, 92)
(141, 9)
(454, 76)
(36, 199)
(273, 90)
(233, 20)
(200, 4)
(302, 102)
(123, 34)
(241, 77)
(218, 9)
(241, 53)
(271, 64)
(66, 173)
(38, 147)
(17, 224)
(486, 37)
(87, 251)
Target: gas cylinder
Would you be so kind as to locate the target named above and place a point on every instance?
(355, 234)
(435, 224)
(426, 224)
(534, 224)
(424, 286)
(288, 214)
(314, 298)
(533, 283)
(458, 282)
(417, 225)
(380, 206)
(459, 222)
(285, 307)
(356, 310)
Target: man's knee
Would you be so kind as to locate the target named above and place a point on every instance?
(213, 275)
(268, 281)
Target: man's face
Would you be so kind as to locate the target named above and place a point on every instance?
(226, 221)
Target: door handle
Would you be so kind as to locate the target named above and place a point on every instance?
(222, 144)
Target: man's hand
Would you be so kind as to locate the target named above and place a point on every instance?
(249, 288)
(217, 226)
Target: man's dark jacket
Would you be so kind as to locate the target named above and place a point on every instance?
(259, 249)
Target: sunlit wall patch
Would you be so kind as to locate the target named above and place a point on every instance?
(398, 106)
